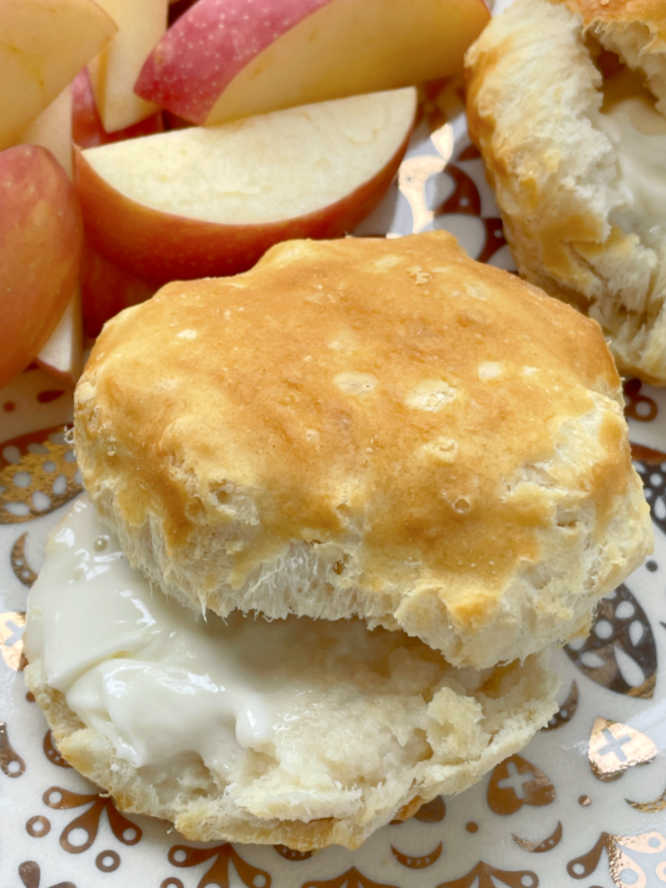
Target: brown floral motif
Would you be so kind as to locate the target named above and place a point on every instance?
(48, 395)
(412, 178)
(413, 861)
(31, 875)
(566, 711)
(11, 762)
(653, 476)
(495, 239)
(647, 455)
(432, 812)
(485, 876)
(107, 861)
(218, 874)
(467, 201)
(38, 827)
(621, 629)
(638, 405)
(292, 854)
(469, 152)
(52, 753)
(465, 197)
(22, 570)
(651, 807)
(351, 878)
(516, 782)
(623, 868)
(38, 474)
(11, 641)
(123, 829)
(613, 748)
(539, 847)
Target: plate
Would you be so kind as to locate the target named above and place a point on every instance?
(583, 805)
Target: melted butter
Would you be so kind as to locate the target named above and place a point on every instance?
(638, 133)
(158, 681)
(135, 665)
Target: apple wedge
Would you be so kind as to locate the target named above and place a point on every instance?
(224, 59)
(106, 289)
(52, 129)
(211, 200)
(62, 354)
(87, 127)
(114, 71)
(43, 43)
(40, 246)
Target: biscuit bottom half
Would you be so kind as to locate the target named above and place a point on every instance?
(299, 731)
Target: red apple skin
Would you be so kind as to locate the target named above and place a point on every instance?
(41, 236)
(87, 128)
(222, 59)
(160, 247)
(106, 289)
(188, 84)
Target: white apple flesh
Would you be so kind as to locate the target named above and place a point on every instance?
(52, 129)
(62, 355)
(43, 43)
(114, 71)
(87, 127)
(211, 200)
(224, 59)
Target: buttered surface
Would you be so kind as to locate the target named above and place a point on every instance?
(388, 388)
(638, 133)
(158, 682)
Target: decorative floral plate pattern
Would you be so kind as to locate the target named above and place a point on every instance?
(584, 804)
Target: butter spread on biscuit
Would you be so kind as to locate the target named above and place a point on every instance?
(638, 133)
(158, 681)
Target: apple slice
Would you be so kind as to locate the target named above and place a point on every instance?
(62, 355)
(52, 129)
(224, 59)
(211, 200)
(43, 43)
(106, 289)
(87, 127)
(114, 71)
(40, 245)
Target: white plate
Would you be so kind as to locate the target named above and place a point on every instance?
(583, 805)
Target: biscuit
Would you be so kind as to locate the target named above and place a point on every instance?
(382, 429)
(263, 810)
(304, 732)
(566, 100)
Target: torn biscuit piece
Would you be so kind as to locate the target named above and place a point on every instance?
(566, 100)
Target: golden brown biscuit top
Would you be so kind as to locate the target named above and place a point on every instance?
(393, 386)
